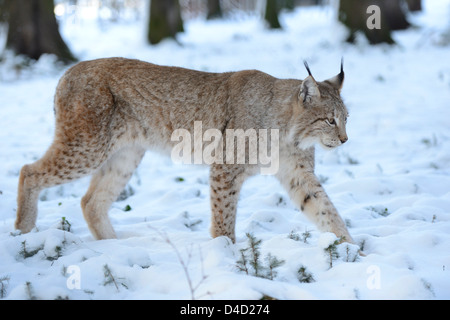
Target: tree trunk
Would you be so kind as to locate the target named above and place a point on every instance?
(271, 14)
(165, 20)
(4, 10)
(214, 9)
(289, 4)
(414, 5)
(353, 14)
(33, 29)
(394, 14)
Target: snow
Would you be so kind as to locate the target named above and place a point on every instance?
(390, 181)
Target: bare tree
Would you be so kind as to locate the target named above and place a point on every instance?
(395, 14)
(33, 29)
(271, 14)
(414, 5)
(353, 13)
(214, 9)
(165, 20)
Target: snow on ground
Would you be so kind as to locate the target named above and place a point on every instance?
(390, 181)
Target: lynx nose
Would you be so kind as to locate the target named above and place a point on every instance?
(343, 139)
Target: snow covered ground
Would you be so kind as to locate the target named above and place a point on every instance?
(390, 181)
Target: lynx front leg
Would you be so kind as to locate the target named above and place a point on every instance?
(305, 190)
(225, 184)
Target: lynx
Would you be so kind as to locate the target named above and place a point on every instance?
(110, 111)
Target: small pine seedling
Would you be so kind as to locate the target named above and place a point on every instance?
(188, 223)
(304, 276)
(58, 252)
(30, 291)
(255, 254)
(294, 236)
(273, 263)
(250, 260)
(127, 192)
(242, 264)
(306, 235)
(4, 282)
(111, 279)
(331, 251)
(382, 212)
(351, 255)
(267, 297)
(65, 224)
(26, 253)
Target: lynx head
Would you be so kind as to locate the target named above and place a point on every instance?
(323, 115)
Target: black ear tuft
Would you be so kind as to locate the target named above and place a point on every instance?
(338, 80)
(307, 67)
(341, 74)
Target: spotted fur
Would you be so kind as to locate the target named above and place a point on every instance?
(110, 111)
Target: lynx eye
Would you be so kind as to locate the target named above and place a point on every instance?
(330, 122)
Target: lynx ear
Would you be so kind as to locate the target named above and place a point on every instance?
(309, 88)
(338, 81)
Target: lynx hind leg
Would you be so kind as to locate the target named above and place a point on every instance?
(59, 165)
(27, 198)
(106, 185)
(225, 184)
